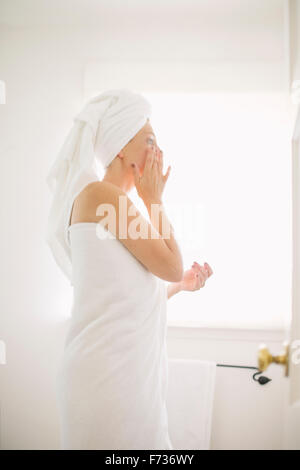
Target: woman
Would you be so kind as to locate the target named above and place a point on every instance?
(112, 380)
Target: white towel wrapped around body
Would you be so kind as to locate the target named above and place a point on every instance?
(113, 377)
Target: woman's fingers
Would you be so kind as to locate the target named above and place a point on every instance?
(156, 161)
(202, 279)
(160, 159)
(199, 267)
(161, 165)
(200, 274)
(166, 176)
(210, 271)
(149, 160)
(206, 267)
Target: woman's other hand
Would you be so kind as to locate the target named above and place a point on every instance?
(195, 278)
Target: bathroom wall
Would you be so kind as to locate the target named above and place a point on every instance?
(246, 415)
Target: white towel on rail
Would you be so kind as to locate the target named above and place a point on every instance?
(191, 385)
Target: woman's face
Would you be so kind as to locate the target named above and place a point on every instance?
(136, 149)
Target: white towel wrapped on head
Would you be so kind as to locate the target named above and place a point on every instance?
(100, 131)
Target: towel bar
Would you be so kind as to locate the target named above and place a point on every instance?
(262, 380)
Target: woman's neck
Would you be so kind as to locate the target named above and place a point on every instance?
(119, 178)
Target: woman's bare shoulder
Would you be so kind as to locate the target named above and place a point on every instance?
(96, 188)
(93, 188)
(84, 208)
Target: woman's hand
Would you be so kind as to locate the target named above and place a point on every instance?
(151, 184)
(195, 278)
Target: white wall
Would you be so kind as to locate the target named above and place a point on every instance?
(43, 53)
(294, 9)
(246, 415)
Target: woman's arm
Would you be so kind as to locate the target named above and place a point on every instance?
(173, 288)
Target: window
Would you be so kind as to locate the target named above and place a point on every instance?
(230, 158)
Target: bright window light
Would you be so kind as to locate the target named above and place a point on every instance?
(230, 191)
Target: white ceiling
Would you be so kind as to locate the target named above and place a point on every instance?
(189, 29)
(206, 13)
